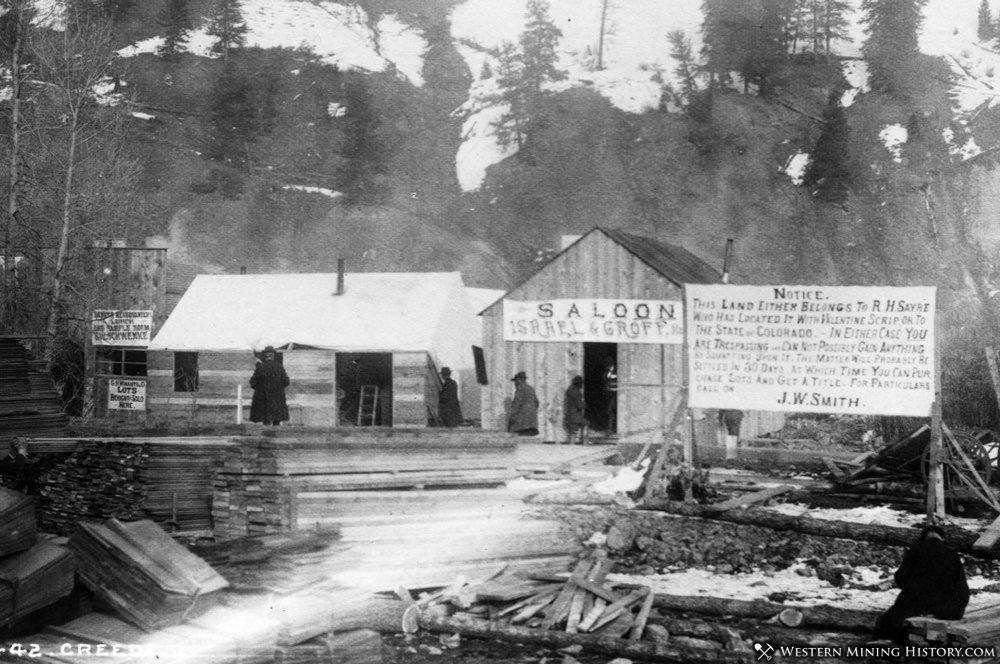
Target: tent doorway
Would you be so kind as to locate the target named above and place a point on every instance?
(355, 370)
(600, 366)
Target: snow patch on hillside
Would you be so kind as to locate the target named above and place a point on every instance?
(337, 34)
(856, 73)
(894, 137)
(796, 166)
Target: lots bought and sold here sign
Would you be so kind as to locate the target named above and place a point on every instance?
(126, 394)
(116, 327)
(583, 319)
(816, 349)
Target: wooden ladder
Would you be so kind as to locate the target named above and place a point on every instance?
(368, 405)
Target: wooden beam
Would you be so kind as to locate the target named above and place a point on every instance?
(989, 537)
(750, 498)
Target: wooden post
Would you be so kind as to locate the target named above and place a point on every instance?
(690, 451)
(935, 477)
(239, 403)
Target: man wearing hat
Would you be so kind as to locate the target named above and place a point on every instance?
(269, 381)
(523, 418)
(449, 408)
(932, 582)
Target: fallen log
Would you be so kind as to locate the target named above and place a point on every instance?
(763, 633)
(813, 616)
(643, 650)
(957, 538)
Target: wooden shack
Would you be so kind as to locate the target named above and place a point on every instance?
(338, 336)
(609, 308)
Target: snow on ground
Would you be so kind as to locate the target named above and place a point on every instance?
(314, 190)
(802, 590)
(796, 166)
(337, 34)
(894, 136)
(966, 150)
(856, 73)
(624, 480)
(636, 56)
(873, 514)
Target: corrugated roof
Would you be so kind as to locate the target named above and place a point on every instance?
(675, 263)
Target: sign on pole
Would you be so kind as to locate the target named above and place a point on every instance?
(116, 327)
(814, 349)
(126, 394)
(587, 319)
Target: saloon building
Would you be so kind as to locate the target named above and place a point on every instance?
(609, 308)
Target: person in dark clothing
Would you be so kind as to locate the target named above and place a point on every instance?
(449, 408)
(523, 417)
(269, 381)
(932, 582)
(574, 419)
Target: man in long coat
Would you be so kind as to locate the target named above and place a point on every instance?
(523, 418)
(449, 407)
(574, 419)
(269, 381)
(932, 583)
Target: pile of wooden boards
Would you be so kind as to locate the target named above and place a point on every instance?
(978, 626)
(137, 568)
(264, 484)
(17, 521)
(34, 578)
(33, 573)
(166, 479)
(581, 604)
(29, 405)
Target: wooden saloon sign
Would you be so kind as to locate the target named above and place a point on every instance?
(588, 319)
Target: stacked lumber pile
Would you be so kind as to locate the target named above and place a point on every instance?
(17, 522)
(33, 579)
(168, 480)
(137, 568)
(29, 405)
(265, 484)
(978, 626)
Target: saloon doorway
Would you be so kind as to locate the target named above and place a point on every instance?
(600, 386)
(364, 370)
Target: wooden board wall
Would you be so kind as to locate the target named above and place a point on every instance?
(310, 396)
(122, 278)
(596, 267)
(414, 389)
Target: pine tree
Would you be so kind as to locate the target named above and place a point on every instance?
(829, 170)
(233, 117)
(227, 26)
(538, 46)
(892, 45)
(986, 29)
(746, 36)
(364, 149)
(686, 69)
(512, 126)
(835, 22)
(176, 24)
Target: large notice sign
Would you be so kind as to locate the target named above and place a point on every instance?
(115, 327)
(582, 319)
(811, 349)
(126, 394)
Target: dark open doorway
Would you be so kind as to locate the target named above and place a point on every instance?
(600, 367)
(355, 370)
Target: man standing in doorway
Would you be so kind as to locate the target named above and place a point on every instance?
(611, 394)
(269, 381)
(523, 418)
(449, 408)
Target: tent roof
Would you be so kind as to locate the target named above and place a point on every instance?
(378, 312)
